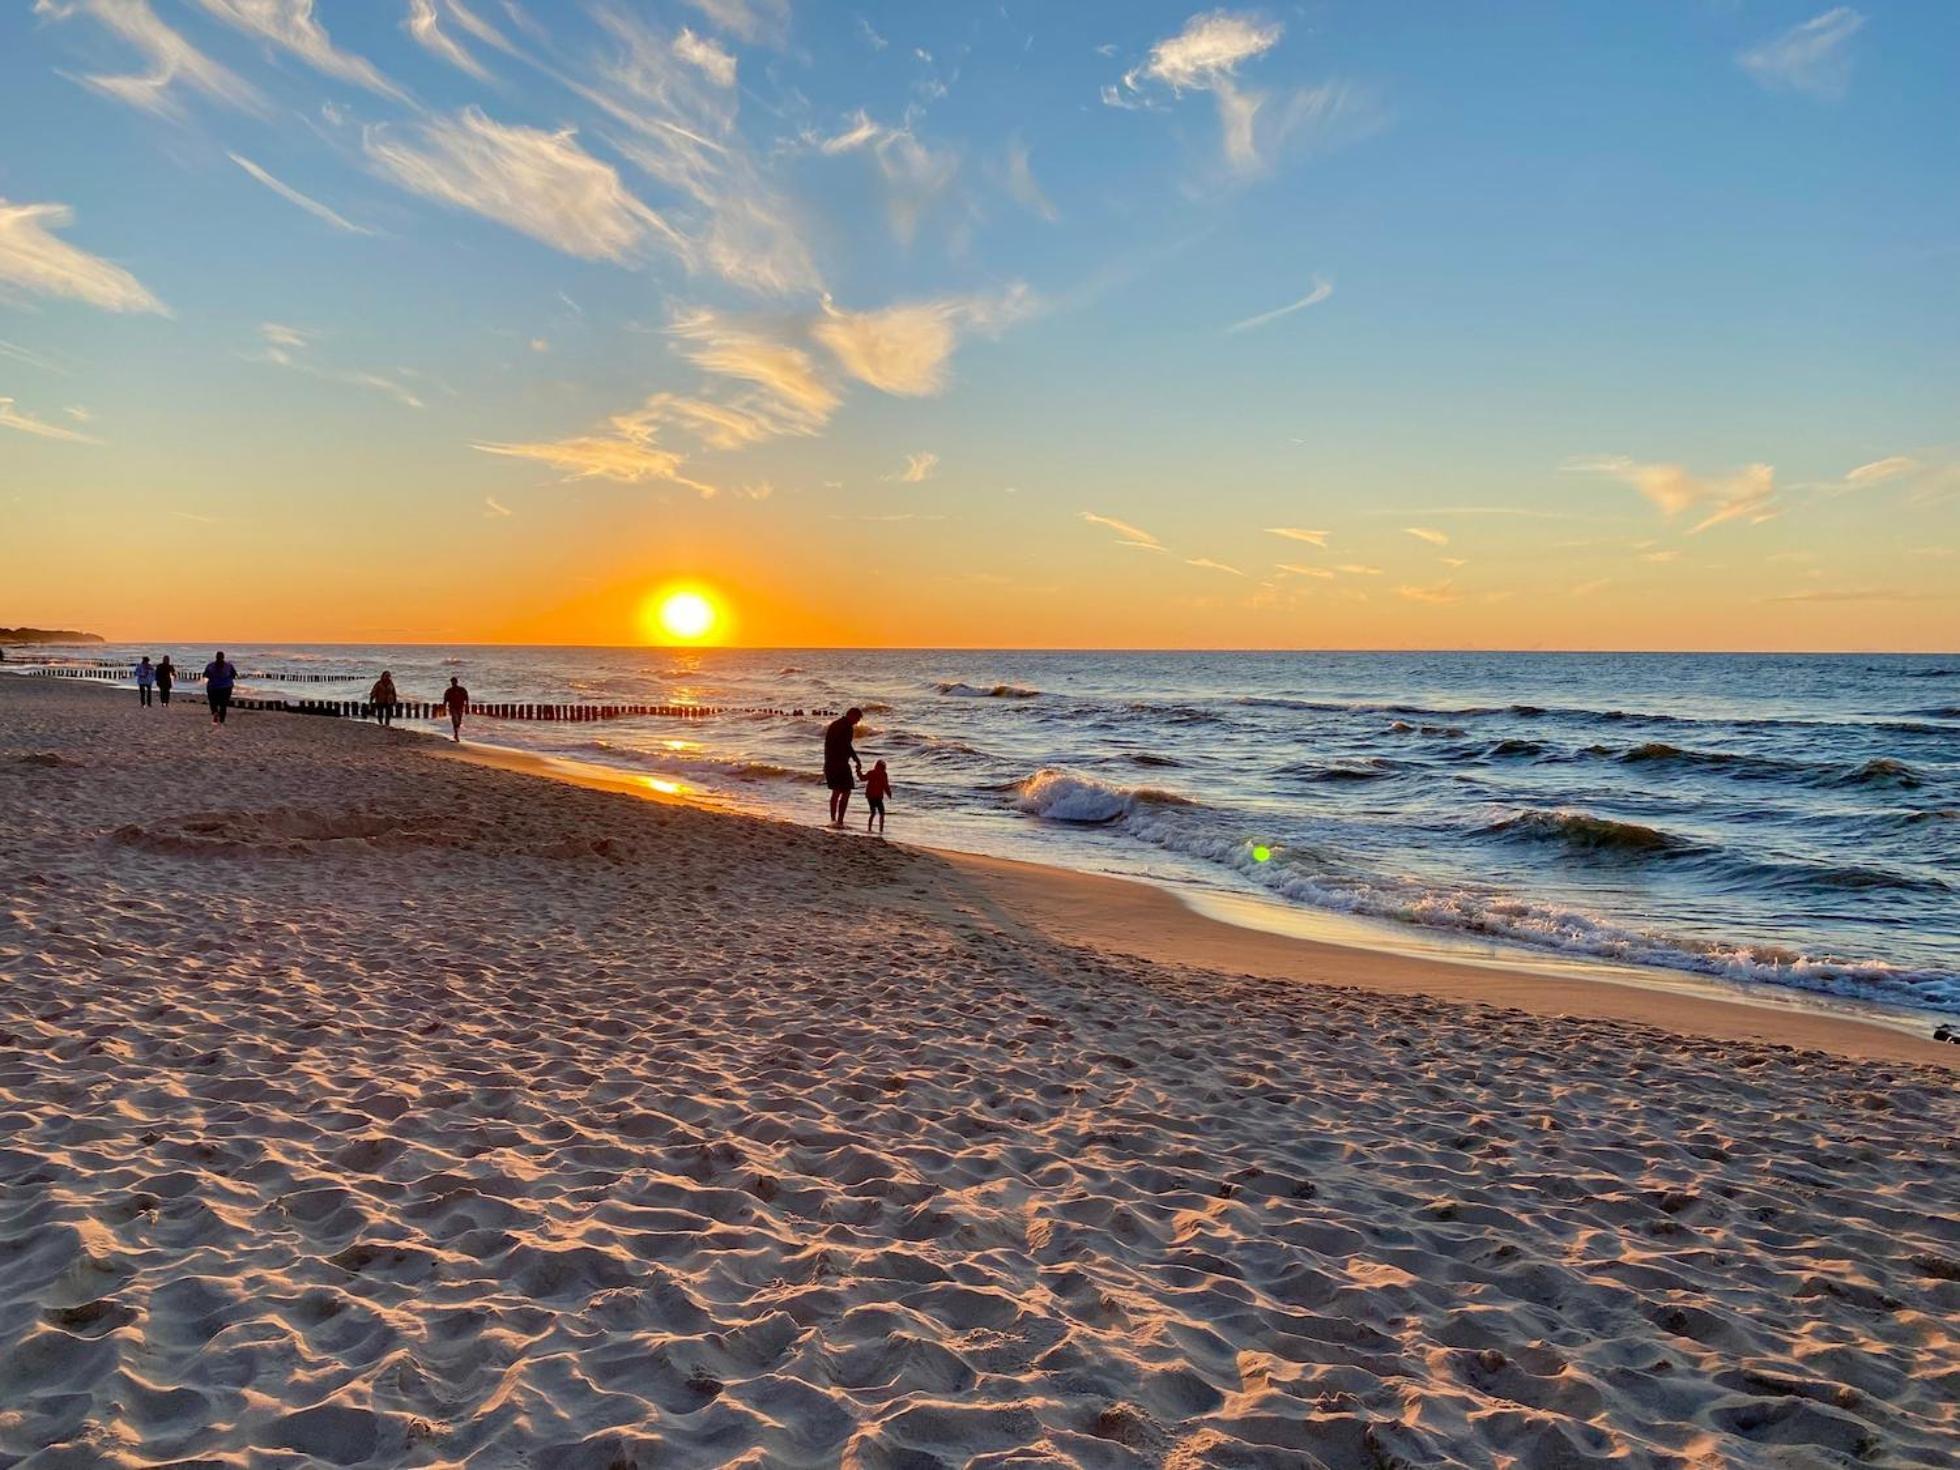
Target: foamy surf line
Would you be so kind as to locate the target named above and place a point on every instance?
(1258, 911)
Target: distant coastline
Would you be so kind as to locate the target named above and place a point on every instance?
(47, 635)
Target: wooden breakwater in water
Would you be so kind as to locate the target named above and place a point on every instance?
(422, 709)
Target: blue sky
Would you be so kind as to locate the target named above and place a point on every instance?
(1590, 325)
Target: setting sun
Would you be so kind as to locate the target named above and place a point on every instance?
(680, 615)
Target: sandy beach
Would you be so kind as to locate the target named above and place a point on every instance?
(366, 1106)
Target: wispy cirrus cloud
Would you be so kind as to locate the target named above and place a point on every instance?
(1205, 563)
(1748, 494)
(710, 57)
(1812, 58)
(1859, 594)
(917, 176)
(1429, 534)
(1018, 175)
(675, 96)
(1880, 470)
(424, 23)
(1295, 569)
(289, 25)
(763, 21)
(905, 350)
(23, 422)
(33, 258)
(1299, 533)
(540, 184)
(293, 196)
(789, 393)
(289, 347)
(1206, 56)
(173, 61)
(625, 449)
(1434, 592)
(1933, 480)
(1126, 533)
(1320, 291)
(919, 468)
(495, 509)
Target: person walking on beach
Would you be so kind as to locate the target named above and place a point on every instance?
(146, 675)
(839, 757)
(456, 699)
(166, 676)
(383, 699)
(219, 675)
(877, 786)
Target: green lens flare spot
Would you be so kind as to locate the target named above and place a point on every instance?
(1261, 853)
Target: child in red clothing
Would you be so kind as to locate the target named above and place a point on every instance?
(877, 786)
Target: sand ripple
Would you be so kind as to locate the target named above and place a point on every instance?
(477, 1121)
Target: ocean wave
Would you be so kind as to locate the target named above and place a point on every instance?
(1325, 880)
(1586, 832)
(1063, 796)
(1403, 727)
(1374, 769)
(1660, 753)
(1883, 774)
(957, 689)
(1175, 714)
(1507, 750)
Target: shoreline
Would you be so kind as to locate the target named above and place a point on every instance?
(1149, 921)
(378, 1110)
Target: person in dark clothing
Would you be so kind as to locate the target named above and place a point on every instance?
(146, 677)
(456, 699)
(166, 676)
(384, 699)
(219, 675)
(839, 758)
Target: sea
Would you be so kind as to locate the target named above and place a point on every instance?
(1780, 824)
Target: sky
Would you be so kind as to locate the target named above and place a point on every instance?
(1107, 324)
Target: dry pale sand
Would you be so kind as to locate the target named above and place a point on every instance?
(359, 1107)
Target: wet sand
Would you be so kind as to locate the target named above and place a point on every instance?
(364, 1107)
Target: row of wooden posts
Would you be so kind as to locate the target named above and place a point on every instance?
(420, 709)
(102, 668)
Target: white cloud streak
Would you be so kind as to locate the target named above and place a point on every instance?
(1126, 533)
(1297, 533)
(293, 196)
(1429, 534)
(33, 258)
(540, 184)
(919, 468)
(173, 61)
(25, 423)
(906, 349)
(1205, 563)
(289, 25)
(424, 23)
(1812, 58)
(1206, 57)
(1320, 291)
(1749, 493)
(676, 97)
(764, 21)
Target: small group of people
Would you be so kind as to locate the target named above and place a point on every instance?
(160, 678)
(221, 677)
(383, 700)
(840, 759)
